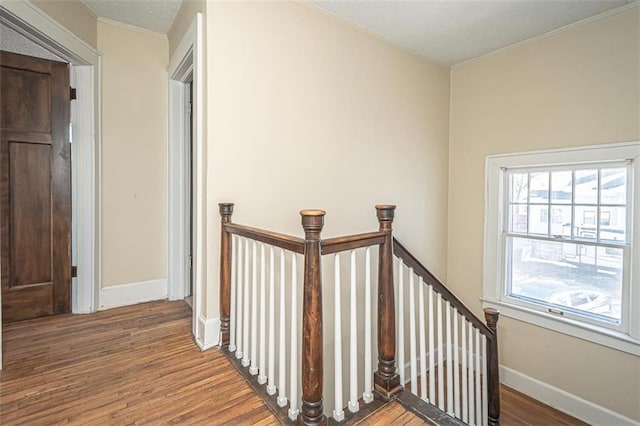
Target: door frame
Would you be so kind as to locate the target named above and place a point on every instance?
(186, 64)
(28, 20)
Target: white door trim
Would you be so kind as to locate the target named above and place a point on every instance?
(185, 65)
(25, 18)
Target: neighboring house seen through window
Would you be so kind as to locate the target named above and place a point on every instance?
(560, 243)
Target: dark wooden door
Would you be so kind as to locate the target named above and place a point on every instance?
(35, 187)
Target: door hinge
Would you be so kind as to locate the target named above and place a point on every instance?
(189, 262)
(73, 93)
(74, 272)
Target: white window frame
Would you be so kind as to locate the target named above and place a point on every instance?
(626, 337)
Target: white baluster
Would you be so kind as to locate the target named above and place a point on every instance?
(432, 354)
(485, 399)
(449, 368)
(367, 395)
(465, 394)
(271, 386)
(478, 380)
(232, 306)
(472, 397)
(353, 404)
(400, 319)
(282, 381)
(254, 311)
(338, 412)
(240, 311)
(245, 333)
(262, 377)
(440, 354)
(456, 365)
(412, 334)
(293, 407)
(423, 348)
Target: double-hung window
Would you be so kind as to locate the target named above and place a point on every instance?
(562, 241)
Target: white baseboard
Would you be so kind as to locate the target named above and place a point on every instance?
(561, 400)
(132, 293)
(208, 334)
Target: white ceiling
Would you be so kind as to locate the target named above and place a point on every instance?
(153, 15)
(447, 31)
(452, 31)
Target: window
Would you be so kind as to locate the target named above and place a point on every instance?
(559, 241)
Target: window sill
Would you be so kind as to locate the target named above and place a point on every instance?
(591, 333)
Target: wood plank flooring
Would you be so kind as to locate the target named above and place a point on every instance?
(134, 365)
(139, 365)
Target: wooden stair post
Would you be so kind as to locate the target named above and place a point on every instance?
(386, 380)
(311, 412)
(493, 376)
(226, 210)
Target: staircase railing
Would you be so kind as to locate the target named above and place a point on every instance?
(258, 261)
(456, 365)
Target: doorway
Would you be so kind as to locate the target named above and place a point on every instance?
(27, 20)
(35, 187)
(186, 200)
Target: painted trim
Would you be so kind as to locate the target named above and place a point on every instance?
(30, 21)
(187, 62)
(209, 329)
(561, 400)
(132, 28)
(132, 293)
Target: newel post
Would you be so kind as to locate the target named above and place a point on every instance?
(493, 375)
(311, 412)
(386, 380)
(226, 210)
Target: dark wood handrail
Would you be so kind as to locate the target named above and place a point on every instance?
(287, 242)
(386, 379)
(352, 242)
(430, 279)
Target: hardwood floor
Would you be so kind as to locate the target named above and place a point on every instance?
(134, 365)
(139, 365)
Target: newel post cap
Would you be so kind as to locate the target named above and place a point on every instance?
(385, 212)
(312, 220)
(225, 208)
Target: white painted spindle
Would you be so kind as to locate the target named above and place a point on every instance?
(239, 311)
(247, 280)
(465, 394)
(449, 368)
(271, 386)
(353, 404)
(367, 395)
(262, 377)
(472, 397)
(432, 354)
(338, 412)
(293, 402)
(254, 310)
(440, 354)
(232, 314)
(412, 334)
(423, 348)
(478, 380)
(485, 399)
(282, 380)
(400, 319)
(456, 365)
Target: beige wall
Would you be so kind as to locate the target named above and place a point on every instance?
(183, 20)
(576, 87)
(74, 15)
(306, 111)
(134, 155)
